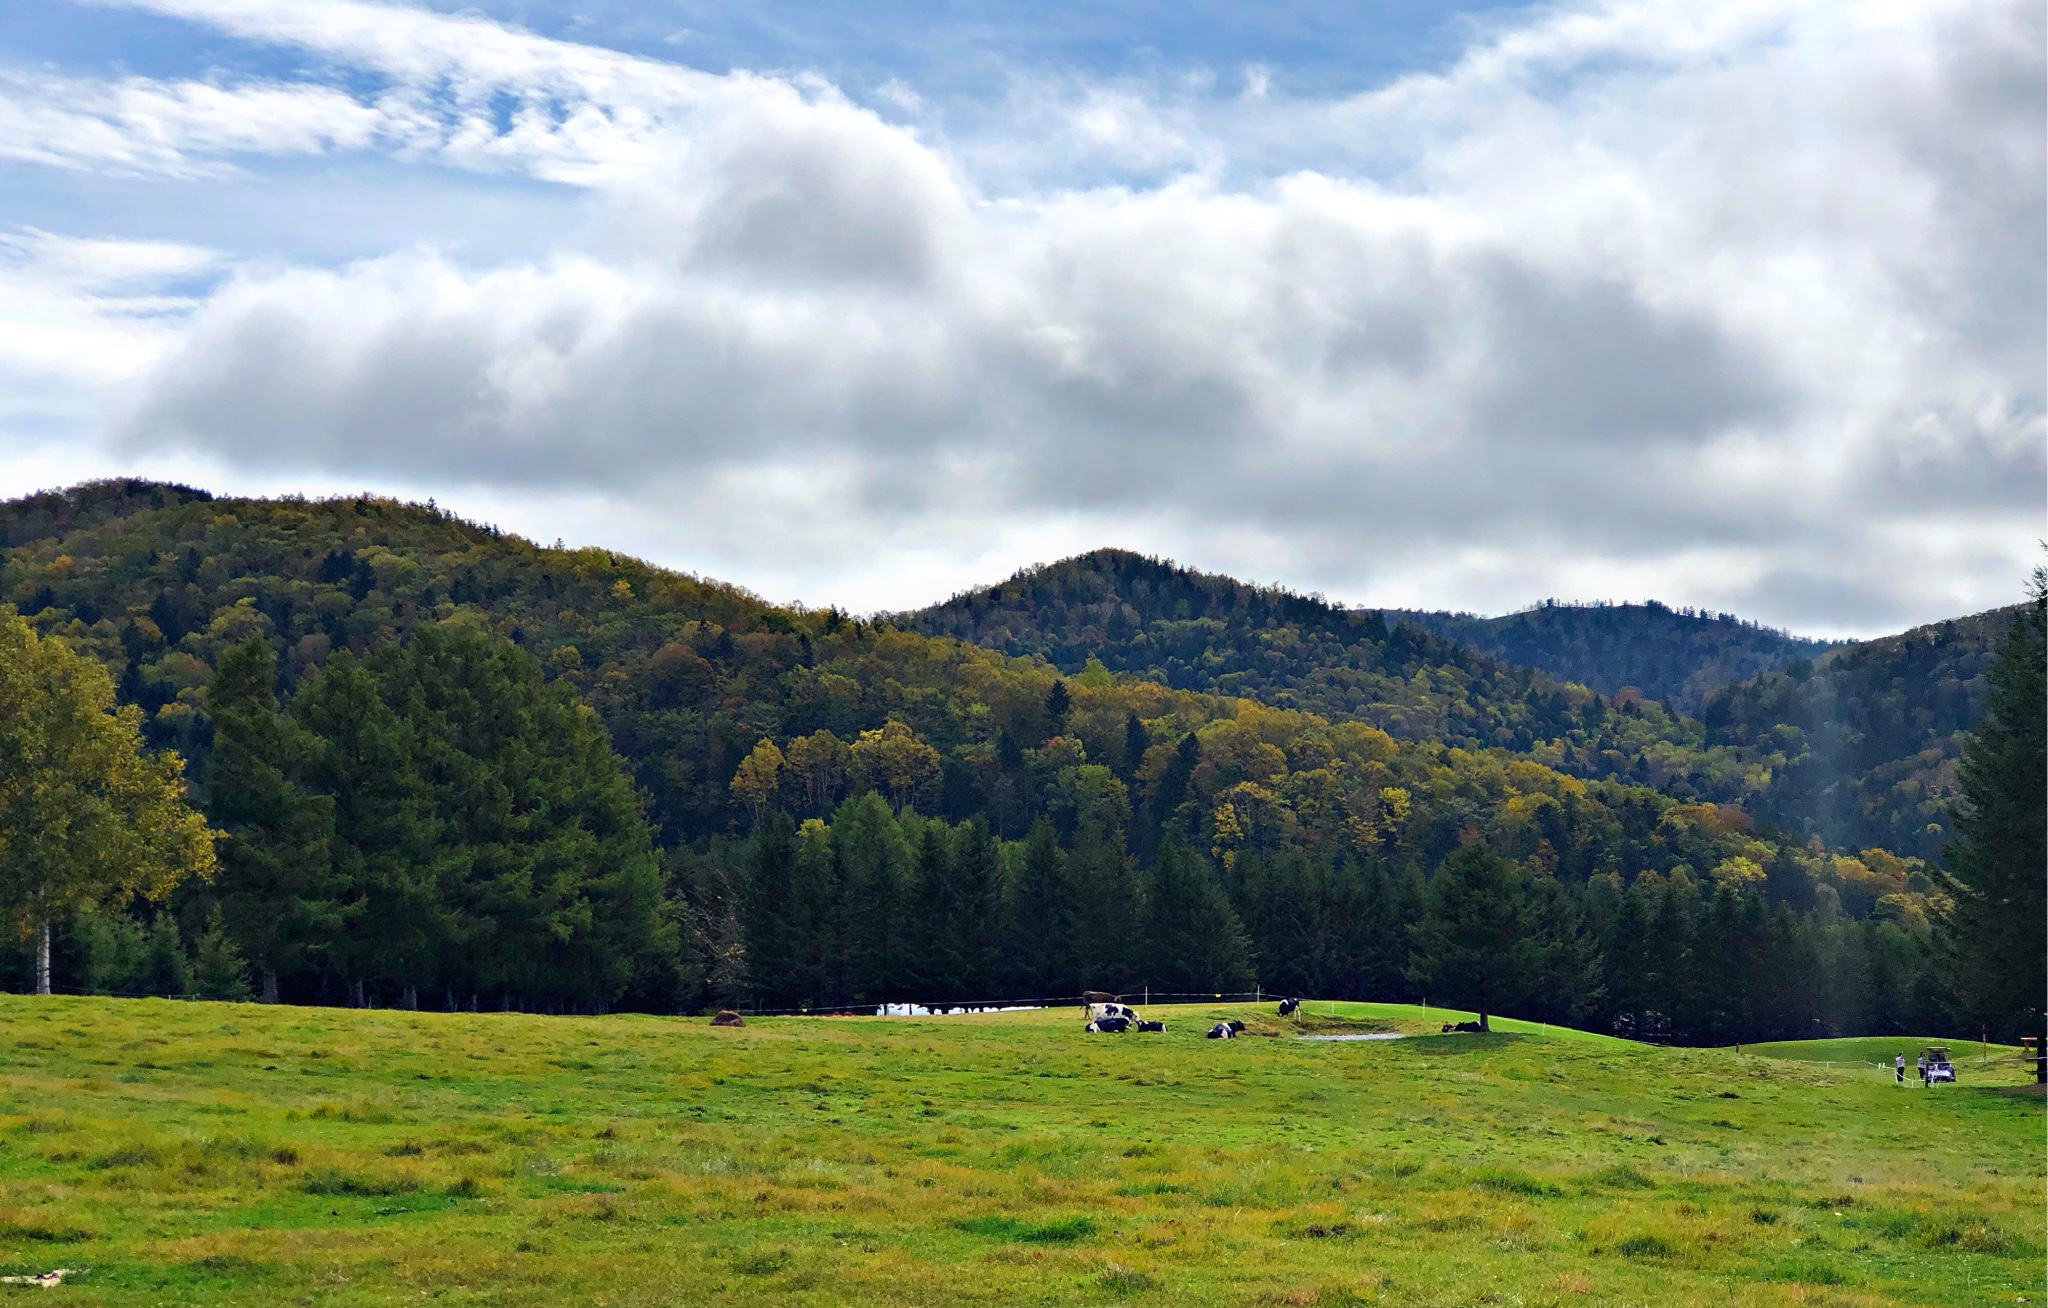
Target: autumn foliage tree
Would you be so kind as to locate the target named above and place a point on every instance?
(85, 815)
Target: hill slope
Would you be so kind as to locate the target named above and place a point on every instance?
(690, 674)
(1862, 743)
(1151, 618)
(1857, 744)
(1673, 655)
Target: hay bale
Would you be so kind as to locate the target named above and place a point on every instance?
(726, 1017)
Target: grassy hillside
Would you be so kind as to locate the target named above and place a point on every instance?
(1676, 656)
(1994, 1062)
(233, 1154)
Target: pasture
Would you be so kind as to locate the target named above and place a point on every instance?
(237, 1154)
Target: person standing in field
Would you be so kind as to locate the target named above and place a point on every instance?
(1921, 1063)
(1900, 1068)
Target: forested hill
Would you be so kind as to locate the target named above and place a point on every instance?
(1674, 655)
(1200, 631)
(826, 790)
(1862, 743)
(1856, 744)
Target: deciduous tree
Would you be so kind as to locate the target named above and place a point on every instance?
(85, 815)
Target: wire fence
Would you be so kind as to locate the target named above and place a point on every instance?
(900, 1007)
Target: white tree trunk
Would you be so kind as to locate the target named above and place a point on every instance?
(43, 959)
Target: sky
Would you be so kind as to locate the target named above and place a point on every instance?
(1732, 304)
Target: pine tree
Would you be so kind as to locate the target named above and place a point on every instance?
(1039, 957)
(1193, 941)
(218, 969)
(274, 879)
(1472, 947)
(1998, 864)
(933, 912)
(770, 921)
(389, 902)
(1058, 703)
(1136, 741)
(875, 871)
(818, 965)
(977, 926)
(1106, 909)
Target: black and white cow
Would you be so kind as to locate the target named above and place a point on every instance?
(1288, 1005)
(1225, 1030)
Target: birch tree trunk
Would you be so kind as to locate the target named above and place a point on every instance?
(43, 958)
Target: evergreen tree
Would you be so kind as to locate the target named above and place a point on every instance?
(1040, 957)
(389, 900)
(773, 946)
(818, 962)
(1998, 865)
(1105, 912)
(1058, 704)
(1472, 948)
(218, 969)
(1193, 941)
(1136, 741)
(875, 871)
(978, 899)
(1566, 970)
(933, 912)
(273, 882)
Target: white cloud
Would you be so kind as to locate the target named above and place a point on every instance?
(77, 316)
(1740, 304)
(143, 125)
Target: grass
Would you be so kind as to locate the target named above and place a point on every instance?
(239, 1155)
(1869, 1051)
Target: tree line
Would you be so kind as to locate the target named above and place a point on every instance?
(717, 713)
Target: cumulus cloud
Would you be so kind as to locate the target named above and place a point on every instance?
(1732, 303)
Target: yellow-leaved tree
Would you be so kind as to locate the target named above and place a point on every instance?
(85, 815)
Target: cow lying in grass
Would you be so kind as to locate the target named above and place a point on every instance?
(1226, 1030)
(1115, 1019)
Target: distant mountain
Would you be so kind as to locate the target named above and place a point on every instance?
(1675, 655)
(1854, 742)
(1202, 631)
(1862, 742)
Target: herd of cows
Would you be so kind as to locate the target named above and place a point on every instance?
(1109, 1015)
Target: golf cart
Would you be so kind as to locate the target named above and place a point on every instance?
(1938, 1066)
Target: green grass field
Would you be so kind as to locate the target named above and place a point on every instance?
(1970, 1057)
(236, 1154)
